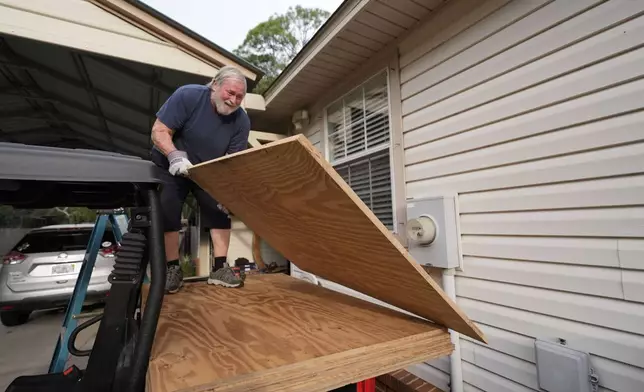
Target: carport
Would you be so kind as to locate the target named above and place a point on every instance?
(92, 73)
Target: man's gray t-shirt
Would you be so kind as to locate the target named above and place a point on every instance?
(200, 131)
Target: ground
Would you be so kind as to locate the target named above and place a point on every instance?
(27, 349)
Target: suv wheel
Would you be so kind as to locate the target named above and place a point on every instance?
(11, 318)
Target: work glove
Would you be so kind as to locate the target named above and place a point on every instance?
(179, 163)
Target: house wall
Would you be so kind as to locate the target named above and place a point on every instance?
(532, 113)
(314, 131)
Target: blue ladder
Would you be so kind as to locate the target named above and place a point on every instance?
(61, 353)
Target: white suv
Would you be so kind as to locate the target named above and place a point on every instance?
(40, 271)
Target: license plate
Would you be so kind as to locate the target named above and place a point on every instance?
(63, 268)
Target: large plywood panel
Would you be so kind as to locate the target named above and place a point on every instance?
(293, 198)
(280, 333)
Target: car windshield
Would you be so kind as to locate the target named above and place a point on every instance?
(60, 240)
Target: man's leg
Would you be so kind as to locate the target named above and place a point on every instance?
(173, 194)
(221, 243)
(171, 245)
(219, 224)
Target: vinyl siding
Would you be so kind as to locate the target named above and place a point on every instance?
(532, 113)
(314, 132)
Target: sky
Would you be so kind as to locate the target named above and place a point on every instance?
(226, 22)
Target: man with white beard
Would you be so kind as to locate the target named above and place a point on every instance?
(199, 123)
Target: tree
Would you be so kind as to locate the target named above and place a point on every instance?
(31, 218)
(272, 44)
(74, 214)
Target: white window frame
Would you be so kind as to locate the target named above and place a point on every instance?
(389, 146)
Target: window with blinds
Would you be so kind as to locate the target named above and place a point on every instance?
(370, 179)
(358, 144)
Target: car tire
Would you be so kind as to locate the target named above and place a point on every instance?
(12, 318)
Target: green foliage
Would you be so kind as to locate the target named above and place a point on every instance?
(272, 44)
(31, 218)
(188, 266)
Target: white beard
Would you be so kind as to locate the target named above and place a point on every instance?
(223, 108)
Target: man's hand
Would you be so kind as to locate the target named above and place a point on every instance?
(179, 163)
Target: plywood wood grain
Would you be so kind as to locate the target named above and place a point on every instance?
(294, 199)
(279, 333)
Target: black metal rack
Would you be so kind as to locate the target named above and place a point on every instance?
(45, 177)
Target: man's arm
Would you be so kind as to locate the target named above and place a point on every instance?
(171, 117)
(162, 137)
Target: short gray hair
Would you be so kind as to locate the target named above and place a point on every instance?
(228, 72)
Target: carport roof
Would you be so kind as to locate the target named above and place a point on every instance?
(93, 75)
(121, 7)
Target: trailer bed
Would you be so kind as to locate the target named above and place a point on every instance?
(279, 333)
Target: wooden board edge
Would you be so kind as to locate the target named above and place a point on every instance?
(288, 139)
(474, 332)
(362, 362)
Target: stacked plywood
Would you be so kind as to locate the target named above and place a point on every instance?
(281, 334)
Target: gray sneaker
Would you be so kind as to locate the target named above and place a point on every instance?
(225, 277)
(173, 279)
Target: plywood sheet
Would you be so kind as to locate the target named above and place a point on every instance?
(279, 333)
(294, 199)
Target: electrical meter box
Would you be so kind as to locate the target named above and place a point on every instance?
(561, 369)
(432, 231)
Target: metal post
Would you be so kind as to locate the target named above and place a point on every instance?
(155, 295)
(116, 229)
(75, 305)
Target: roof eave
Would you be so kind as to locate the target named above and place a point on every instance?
(342, 15)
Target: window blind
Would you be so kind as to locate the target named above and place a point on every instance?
(359, 122)
(358, 145)
(370, 179)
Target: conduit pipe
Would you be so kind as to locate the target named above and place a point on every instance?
(456, 369)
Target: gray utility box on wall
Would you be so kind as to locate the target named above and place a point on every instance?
(432, 231)
(562, 369)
